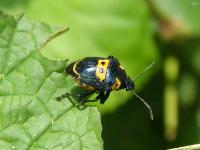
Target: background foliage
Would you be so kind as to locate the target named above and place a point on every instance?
(136, 32)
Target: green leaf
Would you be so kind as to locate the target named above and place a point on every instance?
(30, 117)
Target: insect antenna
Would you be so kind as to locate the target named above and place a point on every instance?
(145, 103)
(141, 99)
(147, 68)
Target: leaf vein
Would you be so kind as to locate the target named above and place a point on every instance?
(45, 130)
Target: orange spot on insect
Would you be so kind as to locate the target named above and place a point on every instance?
(116, 85)
(121, 67)
(101, 69)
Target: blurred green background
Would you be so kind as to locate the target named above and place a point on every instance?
(137, 33)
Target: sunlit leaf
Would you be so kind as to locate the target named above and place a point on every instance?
(30, 116)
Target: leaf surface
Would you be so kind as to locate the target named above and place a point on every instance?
(30, 117)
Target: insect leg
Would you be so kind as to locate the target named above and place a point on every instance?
(83, 101)
(74, 95)
(100, 96)
(104, 97)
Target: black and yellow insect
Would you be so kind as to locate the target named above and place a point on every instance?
(101, 75)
